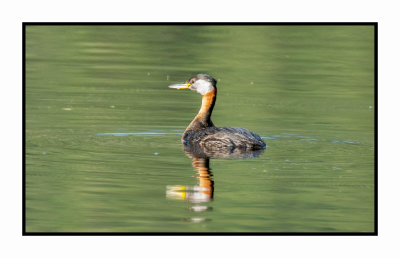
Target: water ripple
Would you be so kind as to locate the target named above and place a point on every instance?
(263, 136)
(140, 134)
(304, 138)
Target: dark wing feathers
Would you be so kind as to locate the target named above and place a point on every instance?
(226, 136)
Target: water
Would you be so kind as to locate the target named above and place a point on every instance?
(103, 151)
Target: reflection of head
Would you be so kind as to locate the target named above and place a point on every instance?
(193, 194)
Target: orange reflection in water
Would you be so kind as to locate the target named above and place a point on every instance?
(204, 190)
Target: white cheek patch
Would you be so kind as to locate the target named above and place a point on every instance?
(203, 87)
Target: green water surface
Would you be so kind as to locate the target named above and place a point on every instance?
(103, 129)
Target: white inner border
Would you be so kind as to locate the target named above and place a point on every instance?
(15, 12)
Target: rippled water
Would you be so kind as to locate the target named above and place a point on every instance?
(103, 151)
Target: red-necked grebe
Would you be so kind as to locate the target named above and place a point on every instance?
(202, 131)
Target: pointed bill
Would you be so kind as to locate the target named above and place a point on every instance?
(180, 86)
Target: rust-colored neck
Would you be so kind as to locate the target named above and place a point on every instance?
(203, 118)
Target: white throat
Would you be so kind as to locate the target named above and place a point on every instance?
(203, 87)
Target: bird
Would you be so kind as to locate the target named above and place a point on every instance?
(202, 132)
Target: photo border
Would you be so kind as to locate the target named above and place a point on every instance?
(374, 233)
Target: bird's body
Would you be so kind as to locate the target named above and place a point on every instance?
(202, 132)
(224, 136)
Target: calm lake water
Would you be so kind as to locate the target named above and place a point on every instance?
(103, 150)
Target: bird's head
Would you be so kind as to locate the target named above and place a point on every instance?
(202, 83)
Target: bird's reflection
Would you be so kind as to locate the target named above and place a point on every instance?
(203, 192)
